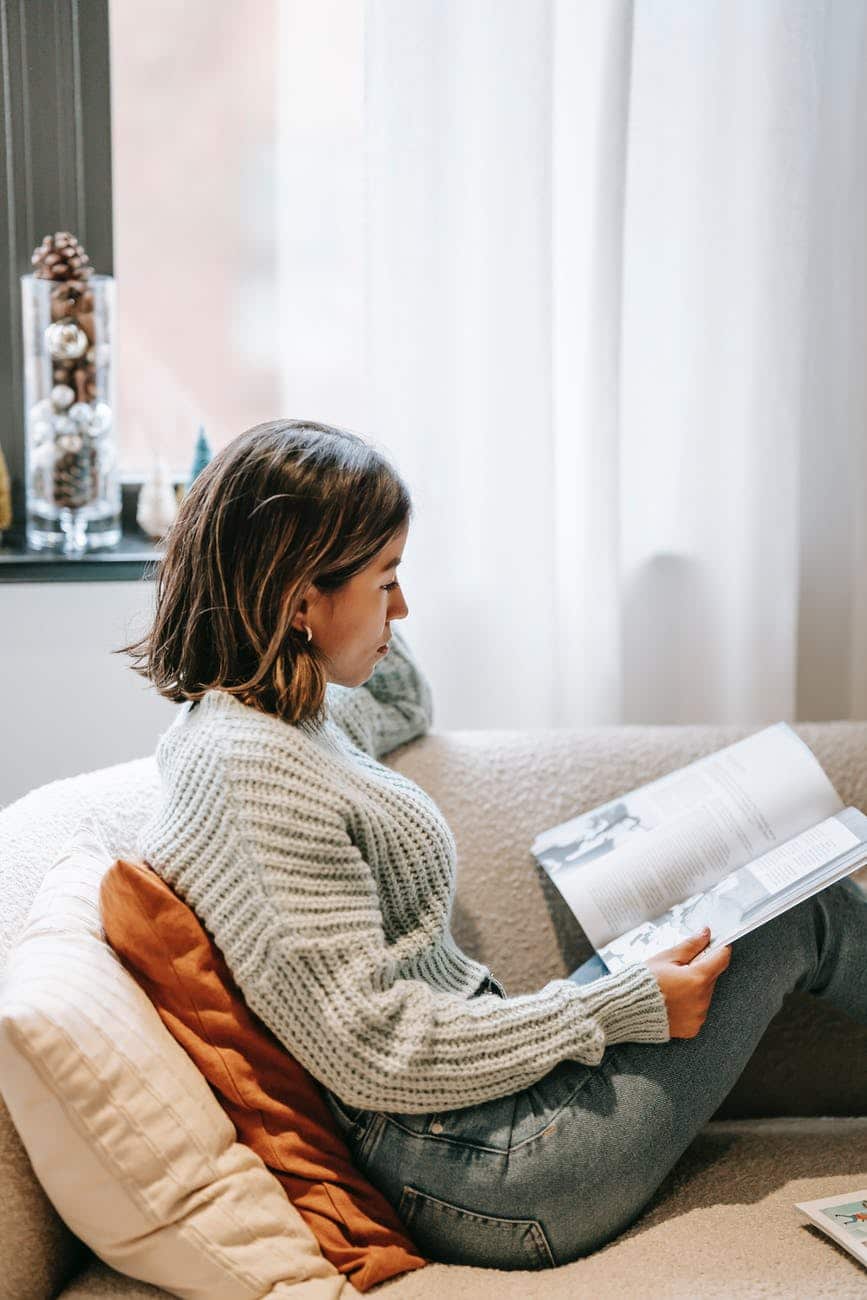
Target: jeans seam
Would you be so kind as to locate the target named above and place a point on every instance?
(451, 1142)
(354, 1126)
(411, 1195)
(371, 1135)
(436, 1137)
(480, 1146)
(551, 1118)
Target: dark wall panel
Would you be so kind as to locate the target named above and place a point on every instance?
(55, 165)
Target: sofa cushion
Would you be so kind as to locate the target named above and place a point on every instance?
(276, 1107)
(122, 1131)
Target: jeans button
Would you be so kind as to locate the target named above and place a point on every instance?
(436, 1127)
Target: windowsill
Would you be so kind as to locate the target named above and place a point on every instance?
(126, 562)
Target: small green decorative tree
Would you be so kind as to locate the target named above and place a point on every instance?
(201, 456)
(5, 496)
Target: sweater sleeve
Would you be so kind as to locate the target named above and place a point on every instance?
(314, 963)
(393, 706)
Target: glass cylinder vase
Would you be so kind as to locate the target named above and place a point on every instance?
(72, 475)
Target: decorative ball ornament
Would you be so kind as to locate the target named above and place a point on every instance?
(81, 415)
(105, 456)
(65, 341)
(42, 466)
(100, 419)
(62, 396)
(42, 410)
(42, 456)
(100, 355)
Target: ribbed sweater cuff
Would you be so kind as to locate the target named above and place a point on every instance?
(629, 1006)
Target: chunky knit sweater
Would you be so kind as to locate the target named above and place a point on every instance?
(327, 881)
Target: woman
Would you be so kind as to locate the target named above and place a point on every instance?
(515, 1132)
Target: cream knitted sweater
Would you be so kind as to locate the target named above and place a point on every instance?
(327, 880)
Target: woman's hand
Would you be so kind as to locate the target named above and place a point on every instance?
(688, 989)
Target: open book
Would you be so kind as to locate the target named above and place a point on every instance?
(729, 841)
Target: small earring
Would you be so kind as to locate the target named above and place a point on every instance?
(309, 633)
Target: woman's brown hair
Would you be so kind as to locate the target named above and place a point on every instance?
(284, 505)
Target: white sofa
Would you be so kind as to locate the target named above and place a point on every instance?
(722, 1224)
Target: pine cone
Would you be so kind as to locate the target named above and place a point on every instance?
(68, 299)
(84, 379)
(76, 477)
(61, 257)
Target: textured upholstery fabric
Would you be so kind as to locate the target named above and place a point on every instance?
(38, 1253)
(722, 1227)
(726, 1210)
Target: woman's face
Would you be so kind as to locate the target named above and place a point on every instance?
(351, 624)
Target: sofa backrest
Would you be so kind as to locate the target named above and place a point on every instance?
(497, 789)
(35, 829)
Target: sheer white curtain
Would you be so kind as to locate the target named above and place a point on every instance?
(615, 336)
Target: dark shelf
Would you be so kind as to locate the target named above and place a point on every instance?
(126, 562)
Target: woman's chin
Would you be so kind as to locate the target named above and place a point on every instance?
(357, 679)
(361, 674)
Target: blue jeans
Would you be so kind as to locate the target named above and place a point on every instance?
(548, 1174)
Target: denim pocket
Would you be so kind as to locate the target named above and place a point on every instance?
(452, 1234)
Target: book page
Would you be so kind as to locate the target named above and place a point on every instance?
(629, 860)
(752, 895)
(843, 1217)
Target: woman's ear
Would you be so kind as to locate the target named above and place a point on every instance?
(311, 597)
(299, 618)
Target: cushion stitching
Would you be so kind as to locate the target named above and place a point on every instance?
(138, 1195)
(42, 979)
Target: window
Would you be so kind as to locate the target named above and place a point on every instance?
(210, 155)
(237, 185)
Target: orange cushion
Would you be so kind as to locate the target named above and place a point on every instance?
(277, 1108)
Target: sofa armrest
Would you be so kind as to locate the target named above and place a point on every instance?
(38, 1251)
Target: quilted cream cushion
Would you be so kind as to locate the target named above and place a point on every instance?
(122, 1130)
